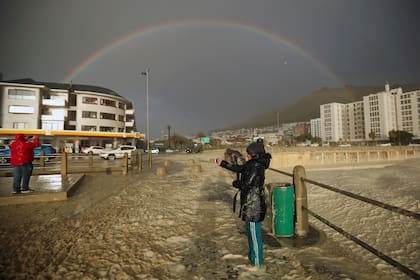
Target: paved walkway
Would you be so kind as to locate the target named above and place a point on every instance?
(47, 188)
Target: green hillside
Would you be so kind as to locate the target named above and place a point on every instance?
(308, 107)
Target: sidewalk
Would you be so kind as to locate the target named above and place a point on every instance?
(47, 188)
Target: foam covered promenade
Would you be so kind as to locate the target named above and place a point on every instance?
(145, 226)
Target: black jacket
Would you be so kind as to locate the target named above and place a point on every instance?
(251, 185)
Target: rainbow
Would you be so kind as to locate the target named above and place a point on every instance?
(127, 38)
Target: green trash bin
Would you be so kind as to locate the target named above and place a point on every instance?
(283, 203)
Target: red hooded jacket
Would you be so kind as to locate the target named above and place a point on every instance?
(22, 151)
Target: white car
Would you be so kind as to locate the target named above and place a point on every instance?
(96, 150)
(117, 153)
(153, 150)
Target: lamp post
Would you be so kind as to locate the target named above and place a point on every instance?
(149, 154)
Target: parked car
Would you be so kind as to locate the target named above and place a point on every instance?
(197, 148)
(96, 150)
(4, 147)
(117, 153)
(49, 151)
(4, 153)
(153, 150)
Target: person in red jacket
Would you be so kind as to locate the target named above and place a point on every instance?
(22, 155)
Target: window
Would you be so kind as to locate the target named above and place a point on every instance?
(121, 105)
(19, 125)
(15, 109)
(89, 100)
(107, 102)
(21, 94)
(88, 128)
(106, 129)
(71, 115)
(89, 114)
(107, 116)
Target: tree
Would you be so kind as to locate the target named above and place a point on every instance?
(200, 135)
(400, 137)
(372, 135)
(179, 140)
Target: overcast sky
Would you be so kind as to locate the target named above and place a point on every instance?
(212, 63)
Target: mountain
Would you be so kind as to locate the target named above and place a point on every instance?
(308, 107)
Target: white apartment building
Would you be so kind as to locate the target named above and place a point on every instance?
(315, 127)
(354, 121)
(332, 121)
(380, 111)
(408, 112)
(77, 109)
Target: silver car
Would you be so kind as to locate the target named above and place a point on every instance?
(118, 153)
(96, 150)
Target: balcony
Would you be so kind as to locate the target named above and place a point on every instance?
(129, 124)
(129, 112)
(54, 102)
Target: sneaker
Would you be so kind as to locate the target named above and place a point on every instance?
(15, 192)
(27, 191)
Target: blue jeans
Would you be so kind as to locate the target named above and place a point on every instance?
(255, 243)
(21, 176)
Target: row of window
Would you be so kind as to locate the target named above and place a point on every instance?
(101, 128)
(21, 94)
(105, 116)
(103, 101)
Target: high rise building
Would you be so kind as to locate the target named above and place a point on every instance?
(332, 122)
(380, 112)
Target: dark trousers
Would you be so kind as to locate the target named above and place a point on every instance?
(21, 176)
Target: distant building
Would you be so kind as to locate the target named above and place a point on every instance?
(354, 122)
(380, 110)
(408, 112)
(332, 121)
(316, 127)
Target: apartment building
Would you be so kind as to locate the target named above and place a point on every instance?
(332, 121)
(408, 112)
(315, 127)
(380, 111)
(354, 121)
(56, 107)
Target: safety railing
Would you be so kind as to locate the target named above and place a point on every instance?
(66, 163)
(302, 211)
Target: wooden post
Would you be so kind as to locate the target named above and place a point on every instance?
(140, 162)
(90, 158)
(302, 222)
(149, 155)
(125, 164)
(64, 164)
(132, 158)
(42, 159)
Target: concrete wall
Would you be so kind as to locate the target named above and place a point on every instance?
(307, 157)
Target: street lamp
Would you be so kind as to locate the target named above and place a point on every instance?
(147, 116)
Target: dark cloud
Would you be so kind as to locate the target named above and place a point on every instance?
(228, 61)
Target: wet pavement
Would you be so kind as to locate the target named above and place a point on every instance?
(46, 188)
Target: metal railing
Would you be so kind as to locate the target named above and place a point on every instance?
(302, 211)
(66, 163)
